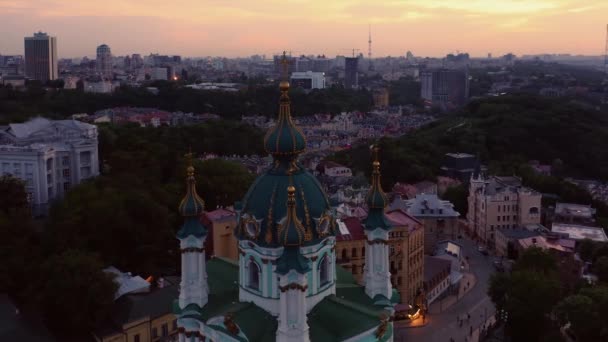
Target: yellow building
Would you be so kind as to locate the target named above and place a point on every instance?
(406, 252)
(143, 317)
(500, 202)
(221, 241)
(381, 98)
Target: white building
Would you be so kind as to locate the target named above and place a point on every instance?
(99, 87)
(49, 156)
(308, 80)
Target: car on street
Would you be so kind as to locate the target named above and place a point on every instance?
(482, 250)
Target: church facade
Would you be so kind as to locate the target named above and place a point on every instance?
(286, 285)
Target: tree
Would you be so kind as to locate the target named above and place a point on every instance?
(13, 201)
(530, 299)
(74, 293)
(457, 195)
(528, 294)
(600, 267)
(221, 182)
(586, 249)
(586, 312)
(581, 313)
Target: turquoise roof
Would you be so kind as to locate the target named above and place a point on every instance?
(330, 320)
(191, 207)
(263, 212)
(376, 202)
(285, 138)
(191, 204)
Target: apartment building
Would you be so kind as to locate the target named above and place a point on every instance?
(500, 202)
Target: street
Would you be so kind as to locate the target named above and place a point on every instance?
(442, 326)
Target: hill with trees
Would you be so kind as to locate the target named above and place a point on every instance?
(506, 133)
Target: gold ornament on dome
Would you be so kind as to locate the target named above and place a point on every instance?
(250, 226)
(324, 225)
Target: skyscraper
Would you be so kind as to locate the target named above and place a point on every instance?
(104, 60)
(351, 79)
(445, 88)
(41, 57)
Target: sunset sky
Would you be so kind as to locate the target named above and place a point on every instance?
(246, 27)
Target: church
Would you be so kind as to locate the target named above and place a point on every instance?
(286, 286)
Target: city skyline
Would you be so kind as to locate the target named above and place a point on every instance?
(213, 28)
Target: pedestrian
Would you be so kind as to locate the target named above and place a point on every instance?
(471, 330)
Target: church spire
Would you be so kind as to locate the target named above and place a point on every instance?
(376, 198)
(191, 206)
(284, 140)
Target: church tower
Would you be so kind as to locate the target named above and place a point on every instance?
(377, 275)
(286, 233)
(193, 287)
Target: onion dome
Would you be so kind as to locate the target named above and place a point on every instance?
(263, 216)
(376, 200)
(191, 207)
(285, 139)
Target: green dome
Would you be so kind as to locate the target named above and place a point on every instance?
(191, 207)
(191, 204)
(263, 213)
(376, 198)
(285, 138)
(285, 206)
(376, 201)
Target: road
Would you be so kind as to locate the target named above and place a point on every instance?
(443, 326)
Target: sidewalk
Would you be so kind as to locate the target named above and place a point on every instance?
(441, 305)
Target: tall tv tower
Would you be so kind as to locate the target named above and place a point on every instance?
(369, 44)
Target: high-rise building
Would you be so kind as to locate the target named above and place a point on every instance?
(41, 57)
(104, 61)
(500, 202)
(351, 77)
(445, 88)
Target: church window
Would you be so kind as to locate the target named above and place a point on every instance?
(254, 276)
(324, 271)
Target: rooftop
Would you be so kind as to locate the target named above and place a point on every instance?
(434, 266)
(350, 228)
(578, 232)
(330, 320)
(574, 210)
(517, 233)
(425, 205)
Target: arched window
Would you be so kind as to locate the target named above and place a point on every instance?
(354, 252)
(324, 271)
(363, 251)
(254, 276)
(344, 254)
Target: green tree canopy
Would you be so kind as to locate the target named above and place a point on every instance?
(74, 293)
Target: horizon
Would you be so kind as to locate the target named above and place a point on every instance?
(266, 27)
